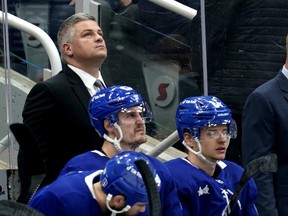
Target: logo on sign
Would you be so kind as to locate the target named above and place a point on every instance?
(163, 91)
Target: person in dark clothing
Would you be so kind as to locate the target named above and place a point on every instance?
(164, 25)
(56, 109)
(59, 10)
(245, 46)
(265, 129)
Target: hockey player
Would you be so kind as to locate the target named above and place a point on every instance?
(119, 188)
(205, 181)
(118, 114)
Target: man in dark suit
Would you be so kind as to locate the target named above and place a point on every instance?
(56, 111)
(265, 130)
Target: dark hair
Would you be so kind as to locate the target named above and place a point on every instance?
(66, 30)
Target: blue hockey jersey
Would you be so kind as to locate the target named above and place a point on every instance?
(70, 195)
(203, 195)
(92, 160)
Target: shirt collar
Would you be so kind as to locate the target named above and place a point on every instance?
(89, 181)
(87, 79)
(285, 71)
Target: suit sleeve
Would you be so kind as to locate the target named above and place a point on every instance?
(258, 135)
(38, 114)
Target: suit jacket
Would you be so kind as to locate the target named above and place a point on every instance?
(56, 111)
(265, 130)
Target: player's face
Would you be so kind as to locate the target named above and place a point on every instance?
(87, 45)
(214, 142)
(133, 128)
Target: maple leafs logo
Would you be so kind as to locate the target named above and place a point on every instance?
(203, 191)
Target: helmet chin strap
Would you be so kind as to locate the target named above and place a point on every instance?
(199, 153)
(115, 141)
(114, 212)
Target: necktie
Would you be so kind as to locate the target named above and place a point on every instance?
(99, 84)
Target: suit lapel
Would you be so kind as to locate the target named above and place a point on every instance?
(283, 84)
(78, 87)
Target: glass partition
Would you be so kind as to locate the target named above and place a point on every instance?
(245, 47)
(7, 150)
(154, 58)
(161, 55)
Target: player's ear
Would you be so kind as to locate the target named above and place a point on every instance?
(107, 125)
(67, 49)
(111, 130)
(119, 201)
(188, 139)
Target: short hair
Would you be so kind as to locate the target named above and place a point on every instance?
(66, 29)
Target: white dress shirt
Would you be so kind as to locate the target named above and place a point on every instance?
(87, 79)
(285, 71)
